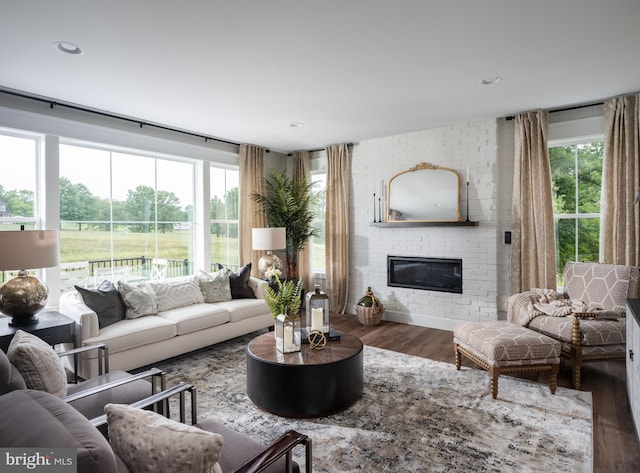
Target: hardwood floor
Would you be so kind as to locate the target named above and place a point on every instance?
(616, 447)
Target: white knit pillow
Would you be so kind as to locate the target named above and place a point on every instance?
(38, 363)
(147, 441)
(179, 292)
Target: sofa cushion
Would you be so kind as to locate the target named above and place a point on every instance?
(214, 286)
(10, 377)
(239, 282)
(140, 299)
(38, 363)
(105, 301)
(196, 317)
(131, 333)
(38, 419)
(147, 441)
(176, 292)
(241, 309)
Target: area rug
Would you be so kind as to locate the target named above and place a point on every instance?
(416, 415)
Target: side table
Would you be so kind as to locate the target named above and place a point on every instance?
(52, 327)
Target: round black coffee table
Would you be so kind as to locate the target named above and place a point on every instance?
(309, 383)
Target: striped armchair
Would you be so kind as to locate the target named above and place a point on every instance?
(593, 334)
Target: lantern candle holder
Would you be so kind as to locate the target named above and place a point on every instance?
(317, 303)
(288, 333)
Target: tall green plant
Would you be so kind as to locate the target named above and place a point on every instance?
(289, 203)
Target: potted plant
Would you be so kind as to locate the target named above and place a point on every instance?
(285, 299)
(288, 203)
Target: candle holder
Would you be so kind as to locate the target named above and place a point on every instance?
(288, 333)
(317, 303)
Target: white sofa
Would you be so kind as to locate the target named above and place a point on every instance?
(145, 340)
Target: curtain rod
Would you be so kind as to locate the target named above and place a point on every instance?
(565, 109)
(53, 103)
(319, 149)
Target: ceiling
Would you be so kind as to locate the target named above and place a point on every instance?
(244, 70)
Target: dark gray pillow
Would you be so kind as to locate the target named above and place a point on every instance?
(40, 420)
(239, 282)
(105, 301)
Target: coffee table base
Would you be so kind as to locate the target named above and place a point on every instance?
(314, 390)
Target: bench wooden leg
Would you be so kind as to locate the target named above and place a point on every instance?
(458, 356)
(553, 381)
(494, 372)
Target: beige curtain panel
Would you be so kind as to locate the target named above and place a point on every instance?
(302, 170)
(250, 212)
(620, 217)
(533, 251)
(337, 226)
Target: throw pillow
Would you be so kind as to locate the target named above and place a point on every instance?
(178, 292)
(148, 441)
(140, 299)
(105, 301)
(214, 286)
(239, 282)
(38, 363)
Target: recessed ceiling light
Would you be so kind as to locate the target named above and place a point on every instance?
(296, 124)
(491, 80)
(67, 47)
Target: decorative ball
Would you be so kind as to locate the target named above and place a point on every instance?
(317, 340)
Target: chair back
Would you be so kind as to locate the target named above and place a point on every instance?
(606, 286)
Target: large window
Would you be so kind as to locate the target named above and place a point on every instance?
(577, 175)
(224, 193)
(124, 215)
(318, 242)
(18, 157)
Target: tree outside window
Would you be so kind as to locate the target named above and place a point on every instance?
(576, 173)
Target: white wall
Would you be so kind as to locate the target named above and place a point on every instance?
(473, 144)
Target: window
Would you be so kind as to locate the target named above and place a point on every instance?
(224, 192)
(576, 173)
(18, 182)
(124, 213)
(318, 242)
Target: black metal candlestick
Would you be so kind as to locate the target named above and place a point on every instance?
(468, 202)
(374, 208)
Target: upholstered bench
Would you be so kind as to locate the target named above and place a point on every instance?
(503, 347)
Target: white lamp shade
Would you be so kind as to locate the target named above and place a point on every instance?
(28, 249)
(272, 238)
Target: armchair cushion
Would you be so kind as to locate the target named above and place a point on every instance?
(147, 441)
(10, 377)
(105, 301)
(39, 364)
(605, 286)
(39, 419)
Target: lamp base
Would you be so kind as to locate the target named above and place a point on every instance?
(17, 321)
(269, 261)
(22, 297)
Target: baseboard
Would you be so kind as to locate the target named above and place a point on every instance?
(419, 319)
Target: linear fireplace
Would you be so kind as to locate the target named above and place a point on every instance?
(431, 274)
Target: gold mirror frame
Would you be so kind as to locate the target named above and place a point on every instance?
(424, 193)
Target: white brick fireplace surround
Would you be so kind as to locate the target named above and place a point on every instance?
(485, 257)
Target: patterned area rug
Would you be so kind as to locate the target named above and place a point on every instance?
(416, 415)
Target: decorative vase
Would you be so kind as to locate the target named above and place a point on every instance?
(288, 333)
(369, 309)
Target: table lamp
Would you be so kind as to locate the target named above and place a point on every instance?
(24, 296)
(272, 238)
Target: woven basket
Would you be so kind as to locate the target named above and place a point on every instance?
(369, 316)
